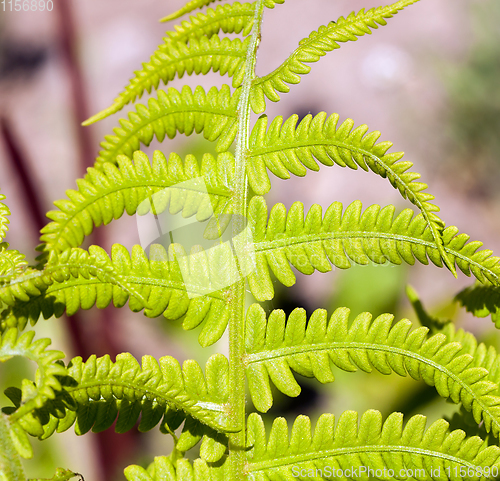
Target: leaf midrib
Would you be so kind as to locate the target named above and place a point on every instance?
(320, 237)
(289, 351)
(325, 454)
(114, 189)
(412, 196)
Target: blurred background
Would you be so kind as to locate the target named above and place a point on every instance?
(428, 81)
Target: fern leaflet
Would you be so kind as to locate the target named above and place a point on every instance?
(230, 18)
(177, 58)
(312, 48)
(189, 7)
(213, 113)
(104, 195)
(159, 283)
(287, 148)
(12, 262)
(164, 469)
(97, 392)
(381, 445)
(10, 448)
(341, 237)
(275, 348)
(4, 214)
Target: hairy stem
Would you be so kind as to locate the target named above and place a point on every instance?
(237, 291)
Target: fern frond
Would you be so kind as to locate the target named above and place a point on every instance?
(159, 283)
(49, 370)
(99, 392)
(213, 113)
(67, 267)
(288, 148)
(164, 469)
(189, 7)
(385, 447)
(12, 262)
(482, 301)
(229, 18)
(11, 468)
(483, 356)
(174, 59)
(4, 214)
(276, 347)
(339, 237)
(315, 46)
(103, 195)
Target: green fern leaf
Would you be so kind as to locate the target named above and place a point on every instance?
(273, 3)
(12, 263)
(49, 370)
(189, 7)
(230, 18)
(483, 356)
(315, 46)
(104, 195)
(158, 283)
(213, 444)
(99, 392)
(11, 468)
(4, 214)
(314, 243)
(213, 113)
(482, 301)
(288, 148)
(431, 453)
(94, 266)
(163, 469)
(276, 347)
(175, 58)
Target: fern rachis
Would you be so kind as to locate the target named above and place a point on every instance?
(208, 406)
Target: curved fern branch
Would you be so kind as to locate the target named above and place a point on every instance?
(315, 46)
(189, 7)
(275, 348)
(34, 396)
(175, 58)
(380, 445)
(99, 392)
(159, 283)
(288, 148)
(213, 113)
(104, 195)
(341, 237)
(4, 214)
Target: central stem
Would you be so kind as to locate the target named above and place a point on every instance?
(237, 457)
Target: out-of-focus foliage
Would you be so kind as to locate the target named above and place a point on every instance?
(474, 103)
